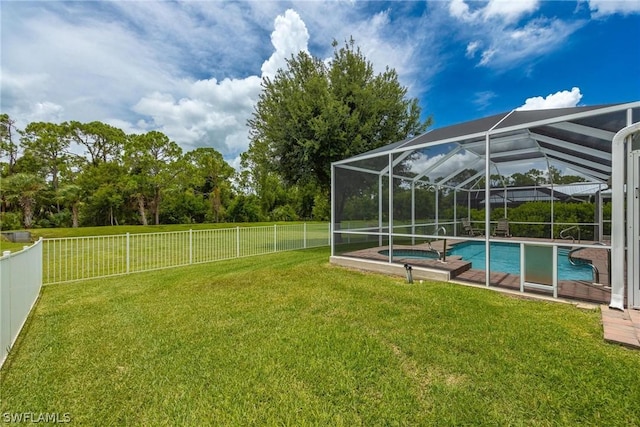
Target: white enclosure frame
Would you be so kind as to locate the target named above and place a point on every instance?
(594, 142)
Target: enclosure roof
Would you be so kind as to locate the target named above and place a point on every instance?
(577, 138)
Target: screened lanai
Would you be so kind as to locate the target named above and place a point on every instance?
(538, 201)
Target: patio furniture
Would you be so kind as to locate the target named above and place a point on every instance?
(502, 228)
(468, 228)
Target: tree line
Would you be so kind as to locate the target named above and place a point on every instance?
(73, 174)
(310, 114)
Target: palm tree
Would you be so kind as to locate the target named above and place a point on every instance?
(22, 188)
(71, 196)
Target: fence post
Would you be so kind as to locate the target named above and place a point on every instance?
(275, 237)
(304, 236)
(190, 246)
(238, 242)
(128, 253)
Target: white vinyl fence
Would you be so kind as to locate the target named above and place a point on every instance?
(20, 282)
(79, 258)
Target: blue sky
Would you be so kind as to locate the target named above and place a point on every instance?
(193, 69)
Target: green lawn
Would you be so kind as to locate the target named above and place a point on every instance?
(287, 339)
(135, 229)
(6, 245)
(83, 257)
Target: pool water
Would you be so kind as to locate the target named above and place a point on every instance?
(505, 258)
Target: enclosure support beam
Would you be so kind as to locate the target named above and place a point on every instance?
(487, 210)
(413, 212)
(598, 210)
(487, 201)
(437, 191)
(390, 207)
(455, 212)
(333, 209)
(618, 217)
(552, 211)
(380, 223)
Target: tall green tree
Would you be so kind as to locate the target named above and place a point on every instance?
(48, 145)
(209, 174)
(8, 148)
(71, 195)
(104, 191)
(312, 114)
(22, 189)
(153, 160)
(102, 142)
(556, 177)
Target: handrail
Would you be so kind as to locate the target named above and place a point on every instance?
(434, 250)
(572, 261)
(563, 237)
(608, 259)
(444, 252)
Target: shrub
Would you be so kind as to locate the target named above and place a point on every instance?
(284, 213)
(10, 221)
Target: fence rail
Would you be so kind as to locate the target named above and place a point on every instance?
(79, 258)
(20, 281)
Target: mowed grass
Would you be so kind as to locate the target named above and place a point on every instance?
(287, 339)
(51, 233)
(6, 245)
(85, 257)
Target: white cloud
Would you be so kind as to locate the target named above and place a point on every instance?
(483, 99)
(289, 37)
(214, 113)
(503, 10)
(499, 38)
(88, 68)
(459, 9)
(559, 99)
(45, 112)
(472, 48)
(509, 10)
(189, 69)
(535, 39)
(600, 8)
(193, 69)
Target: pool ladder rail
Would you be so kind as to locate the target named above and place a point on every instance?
(565, 236)
(442, 256)
(596, 273)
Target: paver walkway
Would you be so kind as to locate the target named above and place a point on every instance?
(621, 327)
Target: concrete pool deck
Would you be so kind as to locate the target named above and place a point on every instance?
(460, 270)
(621, 327)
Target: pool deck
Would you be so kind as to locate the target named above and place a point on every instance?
(460, 270)
(621, 327)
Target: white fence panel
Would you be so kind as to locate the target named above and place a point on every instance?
(79, 258)
(20, 282)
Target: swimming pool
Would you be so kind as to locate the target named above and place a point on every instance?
(505, 258)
